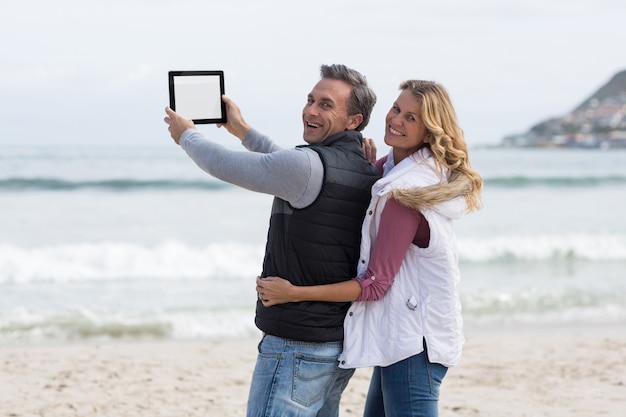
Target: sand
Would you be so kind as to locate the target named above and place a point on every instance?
(549, 372)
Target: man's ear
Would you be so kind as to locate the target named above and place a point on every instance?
(354, 121)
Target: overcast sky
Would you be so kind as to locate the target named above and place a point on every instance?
(94, 72)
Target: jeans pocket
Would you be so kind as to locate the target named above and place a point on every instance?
(312, 377)
(436, 372)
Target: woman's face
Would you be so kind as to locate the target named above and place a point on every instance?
(404, 130)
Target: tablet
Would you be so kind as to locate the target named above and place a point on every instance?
(197, 95)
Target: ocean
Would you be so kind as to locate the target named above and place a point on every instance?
(101, 244)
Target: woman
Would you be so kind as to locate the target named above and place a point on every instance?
(412, 332)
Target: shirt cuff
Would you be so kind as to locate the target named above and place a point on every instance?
(185, 136)
(366, 280)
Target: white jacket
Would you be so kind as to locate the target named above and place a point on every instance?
(423, 301)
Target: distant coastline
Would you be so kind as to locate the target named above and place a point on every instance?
(598, 122)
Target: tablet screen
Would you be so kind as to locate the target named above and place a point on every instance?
(197, 95)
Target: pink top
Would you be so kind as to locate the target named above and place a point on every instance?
(400, 227)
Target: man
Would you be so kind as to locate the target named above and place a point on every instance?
(321, 191)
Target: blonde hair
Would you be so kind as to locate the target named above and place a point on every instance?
(449, 150)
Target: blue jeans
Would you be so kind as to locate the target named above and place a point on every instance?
(297, 379)
(407, 388)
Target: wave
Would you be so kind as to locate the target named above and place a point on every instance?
(133, 184)
(110, 261)
(117, 290)
(546, 306)
(565, 306)
(122, 184)
(595, 248)
(557, 182)
(84, 323)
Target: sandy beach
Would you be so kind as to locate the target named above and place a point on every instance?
(550, 372)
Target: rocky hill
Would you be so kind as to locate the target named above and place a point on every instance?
(599, 121)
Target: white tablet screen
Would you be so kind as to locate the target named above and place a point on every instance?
(197, 95)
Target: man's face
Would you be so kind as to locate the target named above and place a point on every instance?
(326, 111)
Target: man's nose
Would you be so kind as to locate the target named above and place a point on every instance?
(312, 110)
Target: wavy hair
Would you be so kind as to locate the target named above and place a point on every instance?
(446, 143)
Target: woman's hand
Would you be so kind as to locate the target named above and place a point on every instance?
(369, 149)
(275, 290)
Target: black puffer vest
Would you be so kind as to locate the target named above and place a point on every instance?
(319, 244)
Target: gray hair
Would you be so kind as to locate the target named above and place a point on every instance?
(362, 98)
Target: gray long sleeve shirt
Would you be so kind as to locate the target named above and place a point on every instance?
(295, 175)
